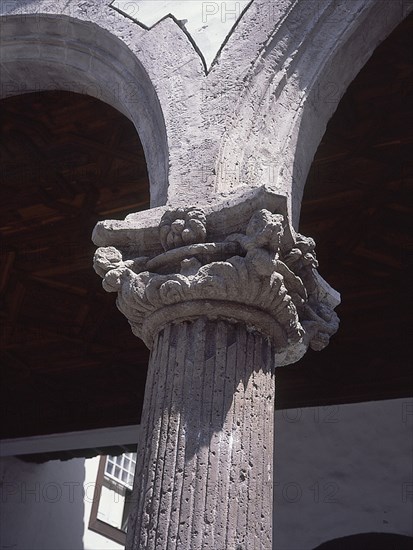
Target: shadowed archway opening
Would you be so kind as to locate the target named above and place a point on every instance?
(368, 541)
(357, 206)
(69, 359)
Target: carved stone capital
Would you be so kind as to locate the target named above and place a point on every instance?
(263, 276)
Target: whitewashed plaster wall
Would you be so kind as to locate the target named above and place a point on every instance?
(41, 505)
(339, 470)
(47, 506)
(342, 470)
(91, 539)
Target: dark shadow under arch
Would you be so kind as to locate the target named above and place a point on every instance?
(69, 359)
(357, 205)
(369, 541)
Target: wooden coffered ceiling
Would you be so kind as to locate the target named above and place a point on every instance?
(69, 360)
(358, 206)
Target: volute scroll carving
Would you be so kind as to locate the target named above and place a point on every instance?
(263, 276)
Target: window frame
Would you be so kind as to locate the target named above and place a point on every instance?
(96, 524)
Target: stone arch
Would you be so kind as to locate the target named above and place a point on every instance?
(57, 52)
(347, 59)
(311, 53)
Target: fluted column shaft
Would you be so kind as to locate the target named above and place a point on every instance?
(204, 472)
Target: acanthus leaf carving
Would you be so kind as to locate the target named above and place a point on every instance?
(274, 280)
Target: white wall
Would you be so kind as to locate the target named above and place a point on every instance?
(42, 505)
(47, 506)
(343, 470)
(92, 540)
(338, 471)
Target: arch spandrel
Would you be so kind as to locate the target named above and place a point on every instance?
(254, 120)
(312, 52)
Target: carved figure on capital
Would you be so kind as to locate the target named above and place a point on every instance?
(258, 276)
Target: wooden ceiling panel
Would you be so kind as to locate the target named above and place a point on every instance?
(67, 161)
(358, 206)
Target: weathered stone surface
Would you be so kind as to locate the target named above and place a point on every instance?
(255, 119)
(204, 473)
(264, 277)
(208, 23)
(221, 296)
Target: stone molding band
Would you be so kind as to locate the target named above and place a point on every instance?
(264, 277)
(253, 318)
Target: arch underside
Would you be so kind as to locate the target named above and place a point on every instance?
(57, 52)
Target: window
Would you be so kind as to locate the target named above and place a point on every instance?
(112, 496)
(121, 469)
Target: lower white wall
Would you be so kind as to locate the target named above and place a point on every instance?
(47, 506)
(342, 470)
(42, 505)
(92, 540)
(338, 471)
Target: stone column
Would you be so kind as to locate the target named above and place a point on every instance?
(220, 309)
(205, 457)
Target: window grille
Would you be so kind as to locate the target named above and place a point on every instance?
(121, 469)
